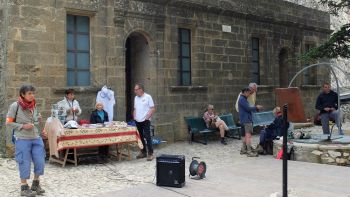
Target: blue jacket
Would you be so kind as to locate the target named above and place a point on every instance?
(245, 110)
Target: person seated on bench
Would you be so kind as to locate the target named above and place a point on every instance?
(100, 116)
(271, 132)
(327, 104)
(214, 122)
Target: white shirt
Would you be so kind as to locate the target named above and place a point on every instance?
(106, 97)
(142, 105)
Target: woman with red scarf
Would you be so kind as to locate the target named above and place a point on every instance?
(23, 118)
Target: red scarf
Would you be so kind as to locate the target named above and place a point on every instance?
(279, 113)
(25, 104)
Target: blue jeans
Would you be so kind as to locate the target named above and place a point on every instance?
(28, 150)
(266, 134)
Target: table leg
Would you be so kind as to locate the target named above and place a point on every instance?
(75, 157)
(65, 158)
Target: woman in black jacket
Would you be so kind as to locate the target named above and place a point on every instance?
(100, 116)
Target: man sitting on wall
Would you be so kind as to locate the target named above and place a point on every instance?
(327, 104)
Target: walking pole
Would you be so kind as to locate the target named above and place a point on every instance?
(285, 154)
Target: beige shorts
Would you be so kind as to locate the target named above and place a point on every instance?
(248, 127)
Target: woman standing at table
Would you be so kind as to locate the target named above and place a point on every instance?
(70, 106)
(23, 118)
(100, 116)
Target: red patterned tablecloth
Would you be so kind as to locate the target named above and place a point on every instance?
(93, 137)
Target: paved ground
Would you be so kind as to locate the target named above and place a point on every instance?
(255, 177)
(226, 176)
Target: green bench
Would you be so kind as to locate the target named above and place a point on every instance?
(263, 118)
(196, 125)
(234, 131)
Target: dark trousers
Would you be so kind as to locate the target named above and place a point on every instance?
(144, 129)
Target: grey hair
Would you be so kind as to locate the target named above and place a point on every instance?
(26, 88)
(141, 86)
(210, 106)
(252, 85)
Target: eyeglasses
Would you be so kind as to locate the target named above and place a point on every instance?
(136, 89)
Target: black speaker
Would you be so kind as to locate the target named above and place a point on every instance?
(171, 170)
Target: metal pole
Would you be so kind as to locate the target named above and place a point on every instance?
(285, 154)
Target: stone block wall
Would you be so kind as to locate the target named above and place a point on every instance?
(220, 61)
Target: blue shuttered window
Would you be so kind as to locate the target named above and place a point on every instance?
(184, 60)
(78, 50)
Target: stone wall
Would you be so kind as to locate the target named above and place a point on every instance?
(221, 61)
(333, 154)
(4, 21)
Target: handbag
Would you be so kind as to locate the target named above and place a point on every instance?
(212, 124)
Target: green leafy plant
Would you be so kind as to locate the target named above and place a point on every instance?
(338, 44)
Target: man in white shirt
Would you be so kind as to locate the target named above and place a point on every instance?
(143, 111)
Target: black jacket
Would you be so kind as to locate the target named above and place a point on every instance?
(327, 100)
(95, 118)
(277, 126)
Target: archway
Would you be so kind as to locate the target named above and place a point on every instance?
(137, 64)
(283, 68)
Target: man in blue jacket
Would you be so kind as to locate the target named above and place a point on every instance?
(327, 104)
(245, 117)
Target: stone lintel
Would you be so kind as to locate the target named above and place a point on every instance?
(188, 88)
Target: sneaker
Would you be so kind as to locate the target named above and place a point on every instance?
(141, 155)
(37, 188)
(150, 157)
(25, 191)
(223, 142)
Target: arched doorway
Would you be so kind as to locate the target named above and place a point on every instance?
(137, 64)
(283, 68)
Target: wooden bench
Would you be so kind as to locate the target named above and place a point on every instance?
(263, 118)
(196, 125)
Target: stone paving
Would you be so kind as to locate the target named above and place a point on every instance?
(92, 178)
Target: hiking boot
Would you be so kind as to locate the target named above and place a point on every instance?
(250, 152)
(223, 142)
(25, 191)
(141, 155)
(37, 188)
(243, 149)
(150, 157)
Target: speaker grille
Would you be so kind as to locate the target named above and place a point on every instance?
(171, 170)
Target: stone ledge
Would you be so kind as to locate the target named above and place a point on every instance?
(188, 88)
(77, 89)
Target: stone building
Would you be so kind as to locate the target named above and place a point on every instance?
(188, 53)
